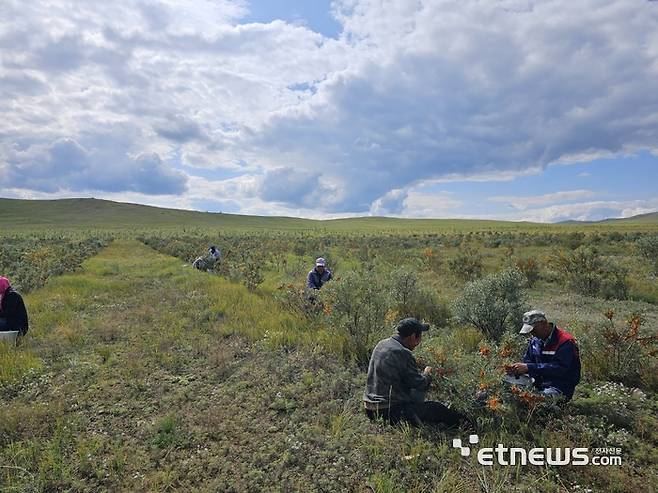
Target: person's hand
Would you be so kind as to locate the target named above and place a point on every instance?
(427, 370)
(519, 368)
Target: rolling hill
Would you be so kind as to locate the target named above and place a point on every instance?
(88, 213)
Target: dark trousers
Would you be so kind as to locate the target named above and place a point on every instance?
(417, 413)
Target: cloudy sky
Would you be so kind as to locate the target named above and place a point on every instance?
(511, 109)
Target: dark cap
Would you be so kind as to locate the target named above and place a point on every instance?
(408, 326)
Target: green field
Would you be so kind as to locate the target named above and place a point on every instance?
(85, 214)
(140, 373)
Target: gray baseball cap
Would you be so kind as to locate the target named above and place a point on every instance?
(530, 319)
(320, 262)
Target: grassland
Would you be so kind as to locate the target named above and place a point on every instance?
(89, 214)
(143, 374)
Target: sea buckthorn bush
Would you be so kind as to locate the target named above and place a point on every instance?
(493, 304)
(467, 264)
(28, 262)
(647, 248)
(587, 272)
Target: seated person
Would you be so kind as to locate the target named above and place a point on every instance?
(214, 252)
(319, 275)
(395, 386)
(13, 316)
(207, 261)
(552, 357)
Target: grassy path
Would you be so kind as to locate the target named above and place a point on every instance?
(131, 379)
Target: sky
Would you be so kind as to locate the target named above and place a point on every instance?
(502, 109)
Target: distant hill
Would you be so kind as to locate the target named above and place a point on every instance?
(86, 213)
(649, 218)
(105, 214)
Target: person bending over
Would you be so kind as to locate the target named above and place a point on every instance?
(395, 386)
(319, 275)
(552, 357)
(13, 315)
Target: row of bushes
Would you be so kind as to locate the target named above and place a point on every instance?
(29, 262)
(365, 303)
(583, 270)
(361, 304)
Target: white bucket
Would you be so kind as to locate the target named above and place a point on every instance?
(9, 336)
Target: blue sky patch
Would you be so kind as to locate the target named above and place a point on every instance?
(314, 14)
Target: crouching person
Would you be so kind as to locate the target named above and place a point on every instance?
(395, 387)
(208, 261)
(13, 315)
(552, 357)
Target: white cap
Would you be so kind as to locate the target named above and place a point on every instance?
(530, 319)
(320, 262)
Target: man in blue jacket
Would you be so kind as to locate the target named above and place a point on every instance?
(552, 357)
(319, 275)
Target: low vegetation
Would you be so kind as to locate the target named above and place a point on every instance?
(28, 261)
(141, 373)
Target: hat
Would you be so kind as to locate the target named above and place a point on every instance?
(320, 262)
(408, 326)
(530, 319)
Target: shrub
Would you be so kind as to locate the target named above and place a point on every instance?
(467, 265)
(252, 273)
(409, 298)
(296, 299)
(588, 273)
(647, 247)
(492, 304)
(614, 281)
(622, 352)
(405, 289)
(356, 305)
(573, 240)
(432, 259)
(529, 267)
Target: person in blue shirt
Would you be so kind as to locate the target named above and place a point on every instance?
(552, 357)
(319, 275)
(207, 262)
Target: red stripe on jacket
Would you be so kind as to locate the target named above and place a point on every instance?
(562, 337)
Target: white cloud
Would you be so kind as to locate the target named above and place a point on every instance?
(412, 92)
(445, 89)
(432, 205)
(523, 203)
(587, 211)
(165, 78)
(392, 202)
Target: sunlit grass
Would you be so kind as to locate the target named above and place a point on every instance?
(142, 374)
(15, 362)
